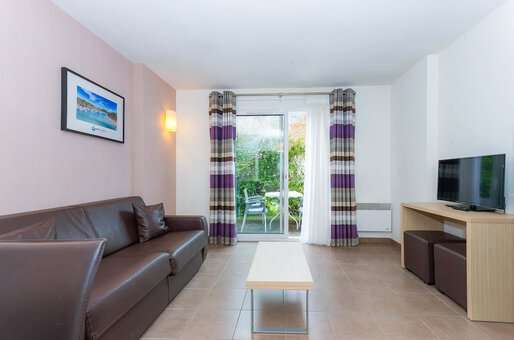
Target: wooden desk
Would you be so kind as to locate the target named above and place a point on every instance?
(489, 255)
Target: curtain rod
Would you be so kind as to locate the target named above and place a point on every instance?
(281, 94)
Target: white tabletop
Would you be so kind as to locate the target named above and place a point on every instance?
(276, 194)
(279, 265)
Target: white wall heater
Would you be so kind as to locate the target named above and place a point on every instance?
(374, 217)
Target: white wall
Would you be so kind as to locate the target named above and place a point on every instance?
(372, 146)
(453, 104)
(476, 90)
(414, 137)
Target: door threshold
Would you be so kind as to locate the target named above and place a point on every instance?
(267, 238)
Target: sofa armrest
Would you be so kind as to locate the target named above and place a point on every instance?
(186, 222)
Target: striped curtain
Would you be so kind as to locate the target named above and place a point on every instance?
(222, 119)
(342, 169)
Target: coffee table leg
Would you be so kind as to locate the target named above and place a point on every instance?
(306, 312)
(251, 310)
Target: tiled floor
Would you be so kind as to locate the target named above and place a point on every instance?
(360, 293)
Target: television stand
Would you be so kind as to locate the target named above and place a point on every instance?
(470, 207)
(489, 255)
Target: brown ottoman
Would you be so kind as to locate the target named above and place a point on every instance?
(450, 271)
(419, 251)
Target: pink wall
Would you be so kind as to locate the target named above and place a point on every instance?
(42, 166)
(154, 148)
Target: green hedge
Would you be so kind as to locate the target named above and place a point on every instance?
(257, 169)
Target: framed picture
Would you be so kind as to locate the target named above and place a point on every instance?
(91, 109)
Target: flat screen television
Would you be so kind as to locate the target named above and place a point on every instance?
(478, 183)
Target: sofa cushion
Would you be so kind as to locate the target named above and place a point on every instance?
(69, 223)
(114, 220)
(181, 247)
(42, 230)
(121, 282)
(73, 224)
(150, 221)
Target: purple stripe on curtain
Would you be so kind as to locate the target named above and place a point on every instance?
(227, 230)
(222, 181)
(344, 231)
(342, 131)
(342, 181)
(225, 132)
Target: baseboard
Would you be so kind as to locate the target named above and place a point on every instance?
(378, 240)
(362, 240)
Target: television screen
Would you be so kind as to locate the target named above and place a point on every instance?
(477, 181)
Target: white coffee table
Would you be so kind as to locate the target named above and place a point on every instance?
(280, 265)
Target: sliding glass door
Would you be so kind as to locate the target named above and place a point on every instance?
(260, 176)
(270, 153)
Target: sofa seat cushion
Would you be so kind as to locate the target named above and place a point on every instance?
(121, 282)
(181, 247)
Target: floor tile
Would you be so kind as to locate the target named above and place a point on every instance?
(201, 280)
(212, 325)
(262, 319)
(455, 328)
(189, 298)
(350, 324)
(171, 324)
(497, 330)
(404, 326)
(223, 299)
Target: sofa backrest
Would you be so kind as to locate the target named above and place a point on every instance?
(68, 223)
(112, 219)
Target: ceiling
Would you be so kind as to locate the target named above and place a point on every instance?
(196, 44)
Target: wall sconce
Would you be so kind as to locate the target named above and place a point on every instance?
(170, 121)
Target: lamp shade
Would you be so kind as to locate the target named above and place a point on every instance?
(171, 121)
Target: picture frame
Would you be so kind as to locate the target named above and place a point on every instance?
(89, 108)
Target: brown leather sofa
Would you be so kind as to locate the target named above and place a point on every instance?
(25, 280)
(135, 281)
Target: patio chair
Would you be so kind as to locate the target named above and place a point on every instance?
(254, 205)
(300, 215)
